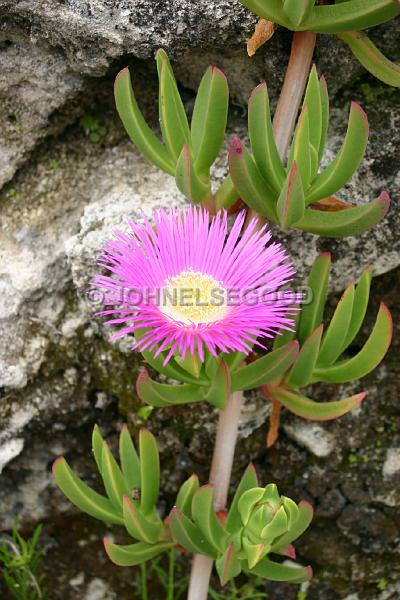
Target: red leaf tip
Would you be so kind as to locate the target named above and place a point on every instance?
(236, 146)
(55, 463)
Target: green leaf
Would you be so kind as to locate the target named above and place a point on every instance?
(277, 572)
(333, 341)
(188, 535)
(97, 447)
(149, 471)
(303, 520)
(277, 526)
(301, 372)
(209, 118)
(204, 516)
(83, 496)
(138, 526)
(346, 162)
(265, 369)
(290, 207)
(249, 183)
(130, 464)
(136, 127)
(298, 10)
(272, 10)
(316, 411)
(226, 195)
(285, 335)
(371, 58)
(162, 394)
(189, 183)
(228, 565)
(318, 279)
(247, 482)
(324, 115)
(114, 482)
(360, 304)
(300, 151)
(173, 119)
(369, 356)
(134, 554)
(348, 222)
(262, 138)
(354, 14)
(185, 495)
(254, 552)
(313, 100)
(219, 390)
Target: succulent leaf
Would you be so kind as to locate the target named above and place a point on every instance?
(209, 118)
(249, 183)
(247, 482)
(360, 304)
(312, 313)
(82, 496)
(138, 130)
(139, 526)
(297, 528)
(228, 565)
(219, 389)
(188, 535)
(301, 372)
(290, 207)
(162, 394)
(205, 518)
(333, 341)
(371, 58)
(347, 16)
(262, 138)
(298, 10)
(302, 406)
(97, 447)
(265, 369)
(324, 97)
(369, 356)
(130, 463)
(149, 471)
(185, 495)
(114, 482)
(273, 571)
(188, 181)
(134, 554)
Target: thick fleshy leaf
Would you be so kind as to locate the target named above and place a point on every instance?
(226, 195)
(298, 10)
(190, 364)
(130, 464)
(249, 183)
(369, 356)
(83, 496)
(360, 305)
(262, 138)
(272, 10)
(149, 471)
(189, 183)
(134, 554)
(313, 100)
(265, 369)
(173, 119)
(228, 565)
(347, 16)
(344, 223)
(161, 394)
(204, 516)
(324, 97)
(316, 411)
(114, 482)
(290, 207)
(292, 510)
(218, 393)
(138, 130)
(346, 162)
(247, 502)
(185, 495)
(277, 526)
(97, 447)
(138, 526)
(371, 58)
(254, 552)
(304, 518)
(300, 150)
(209, 118)
(285, 335)
(247, 482)
(301, 372)
(333, 341)
(188, 535)
(312, 313)
(277, 572)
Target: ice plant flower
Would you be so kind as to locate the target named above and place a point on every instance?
(192, 285)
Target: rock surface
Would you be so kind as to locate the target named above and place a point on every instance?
(59, 371)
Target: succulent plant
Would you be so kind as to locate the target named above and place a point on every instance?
(297, 194)
(258, 523)
(344, 18)
(188, 152)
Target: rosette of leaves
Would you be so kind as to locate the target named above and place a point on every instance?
(259, 522)
(297, 194)
(320, 351)
(187, 151)
(345, 18)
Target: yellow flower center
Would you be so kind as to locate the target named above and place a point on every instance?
(194, 297)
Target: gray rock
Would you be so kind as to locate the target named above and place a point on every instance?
(312, 436)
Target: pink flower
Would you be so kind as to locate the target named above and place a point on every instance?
(190, 284)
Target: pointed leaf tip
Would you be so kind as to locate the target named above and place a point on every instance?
(56, 462)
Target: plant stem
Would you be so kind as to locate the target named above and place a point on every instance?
(171, 575)
(220, 476)
(143, 573)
